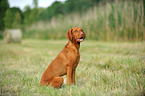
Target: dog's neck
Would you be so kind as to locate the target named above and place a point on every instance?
(75, 43)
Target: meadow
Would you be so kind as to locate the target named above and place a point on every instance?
(105, 68)
(109, 21)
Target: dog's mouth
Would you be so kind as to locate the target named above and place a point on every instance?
(80, 39)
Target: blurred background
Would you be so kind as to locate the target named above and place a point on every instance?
(102, 20)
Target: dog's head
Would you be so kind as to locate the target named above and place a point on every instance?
(76, 33)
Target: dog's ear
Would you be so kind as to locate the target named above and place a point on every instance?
(69, 34)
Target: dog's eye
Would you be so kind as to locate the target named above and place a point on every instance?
(75, 31)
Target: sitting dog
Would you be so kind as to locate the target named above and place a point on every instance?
(65, 62)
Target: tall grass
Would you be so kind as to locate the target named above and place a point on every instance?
(117, 21)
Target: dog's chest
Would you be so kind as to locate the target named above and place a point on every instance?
(76, 61)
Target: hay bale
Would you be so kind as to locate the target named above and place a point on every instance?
(13, 35)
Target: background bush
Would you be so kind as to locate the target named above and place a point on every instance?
(114, 20)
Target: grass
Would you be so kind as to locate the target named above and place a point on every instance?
(105, 68)
(117, 21)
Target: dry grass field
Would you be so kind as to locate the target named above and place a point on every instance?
(105, 68)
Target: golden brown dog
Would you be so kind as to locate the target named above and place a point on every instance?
(66, 61)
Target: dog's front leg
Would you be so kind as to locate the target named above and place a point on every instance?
(69, 74)
(73, 76)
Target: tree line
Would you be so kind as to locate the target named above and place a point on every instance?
(105, 15)
(15, 18)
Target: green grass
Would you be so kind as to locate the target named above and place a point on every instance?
(105, 68)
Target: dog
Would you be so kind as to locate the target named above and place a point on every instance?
(66, 61)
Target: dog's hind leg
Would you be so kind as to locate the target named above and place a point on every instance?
(43, 83)
(56, 82)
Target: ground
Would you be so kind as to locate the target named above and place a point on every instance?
(105, 68)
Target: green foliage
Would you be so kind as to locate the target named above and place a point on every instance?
(4, 5)
(26, 14)
(144, 7)
(33, 17)
(8, 19)
(55, 10)
(102, 20)
(30, 15)
(35, 3)
(13, 18)
(105, 68)
(80, 5)
(17, 21)
(115, 21)
(14, 10)
(59, 9)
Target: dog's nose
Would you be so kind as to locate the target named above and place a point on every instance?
(82, 33)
